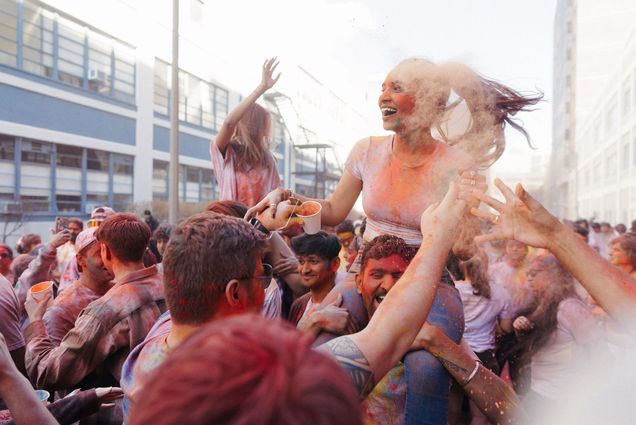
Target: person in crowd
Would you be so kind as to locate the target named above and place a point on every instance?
(111, 326)
(71, 272)
(66, 252)
(24, 406)
(401, 174)
(582, 232)
(244, 168)
(40, 268)
(28, 244)
(257, 371)
(288, 285)
(620, 228)
(6, 257)
(557, 332)
(94, 281)
(346, 235)
(209, 266)
(600, 238)
(98, 215)
(213, 254)
(510, 273)
(10, 323)
(318, 263)
(623, 253)
(19, 265)
(383, 262)
(150, 220)
(523, 218)
(161, 236)
(487, 308)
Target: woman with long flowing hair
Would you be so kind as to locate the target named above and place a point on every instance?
(556, 332)
(487, 307)
(243, 165)
(402, 174)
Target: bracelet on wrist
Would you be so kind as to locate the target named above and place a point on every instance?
(259, 226)
(472, 374)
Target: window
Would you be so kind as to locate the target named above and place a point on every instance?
(35, 181)
(220, 106)
(610, 164)
(66, 50)
(161, 93)
(159, 179)
(68, 178)
(7, 166)
(625, 153)
(8, 32)
(611, 119)
(200, 102)
(627, 97)
(122, 181)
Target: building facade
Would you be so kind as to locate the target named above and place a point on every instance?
(589, 49)
(607, 147)
(84, 111)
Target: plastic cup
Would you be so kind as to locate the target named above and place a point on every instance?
(43, 395)
(310, 213)
(40, 290)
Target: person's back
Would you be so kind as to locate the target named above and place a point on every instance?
(108, 328)
(207, 264)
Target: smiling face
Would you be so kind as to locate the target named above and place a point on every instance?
(411, 97)
(377, 278)
(315, 271)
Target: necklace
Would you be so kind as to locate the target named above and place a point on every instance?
(407, 165)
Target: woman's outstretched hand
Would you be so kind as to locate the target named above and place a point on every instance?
(269, 202)
(520, 217)
(268, 80)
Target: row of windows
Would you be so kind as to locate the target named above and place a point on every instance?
(609, 120)
(38, 177)
(38, 40)
(200, 102)
(615, 159)
(195, 184)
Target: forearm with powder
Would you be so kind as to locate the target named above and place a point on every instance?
(613, 289)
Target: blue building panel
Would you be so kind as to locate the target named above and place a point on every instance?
(189, 145)
(38, 110)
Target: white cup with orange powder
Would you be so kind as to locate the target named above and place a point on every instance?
(310, 212)
(40, 291)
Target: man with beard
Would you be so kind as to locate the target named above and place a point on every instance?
(67, 251)
(94, 281)
(384, 261)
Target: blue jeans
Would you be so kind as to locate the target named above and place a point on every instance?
(428, 382)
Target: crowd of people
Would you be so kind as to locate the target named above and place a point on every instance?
(443, 306)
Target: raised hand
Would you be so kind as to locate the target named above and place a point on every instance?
(268, 80)
(520, 217)
(60, 238)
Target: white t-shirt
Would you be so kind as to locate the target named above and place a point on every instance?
(560, 359)
(481, 314)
